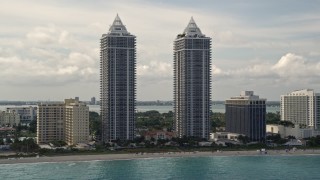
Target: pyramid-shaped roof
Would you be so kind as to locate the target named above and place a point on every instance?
(192, 28)
(117, 26)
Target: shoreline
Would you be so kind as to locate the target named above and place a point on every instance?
(132, 156)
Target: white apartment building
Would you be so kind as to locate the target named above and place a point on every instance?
(9, 119)
(68, 121)
(297, 132)
(27, 114)
(301, 107)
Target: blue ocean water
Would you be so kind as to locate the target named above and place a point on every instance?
(231, 167)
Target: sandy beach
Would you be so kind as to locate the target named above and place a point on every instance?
(107, 157)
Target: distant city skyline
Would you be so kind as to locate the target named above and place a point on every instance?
(49, 49)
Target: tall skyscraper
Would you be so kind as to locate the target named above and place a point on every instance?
(246, 115)
(192, 84)
(117, 78)
(301, 107)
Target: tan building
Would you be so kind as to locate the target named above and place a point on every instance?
(50, 122)
(9, 119)
(76, 122)
(68, 121)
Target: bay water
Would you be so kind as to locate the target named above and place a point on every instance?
(219, 108)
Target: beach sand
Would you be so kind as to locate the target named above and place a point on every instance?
(107, 157)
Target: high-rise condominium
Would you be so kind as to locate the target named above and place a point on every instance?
(192, 67)
(117, 78)
(246, 115)
(50, 122)
(76, 122)
(68, 121)
(301, 107)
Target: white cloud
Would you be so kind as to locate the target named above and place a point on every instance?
(155, 70)
(289, 67)
(57, 43)
(51, 56)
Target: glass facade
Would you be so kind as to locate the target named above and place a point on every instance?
(246, 117)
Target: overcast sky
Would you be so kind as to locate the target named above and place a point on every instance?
(49, 50)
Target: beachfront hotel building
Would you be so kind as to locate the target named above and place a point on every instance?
(50, 122)
(68, 121)
(76, 122)
(246, 115)
(192, 74)
(117, 82)
(301, 107)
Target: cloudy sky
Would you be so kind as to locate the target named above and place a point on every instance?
(49, 50)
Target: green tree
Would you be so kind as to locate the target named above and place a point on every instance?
(277, 139)
(154, 118)
(94, 123)
(27, 145)
(273, 118)
(243, 139)
(8, 140)
(313, 141)
(58, 143)
(167, 120)
(286, 123)
(33, 126)
(217, 120)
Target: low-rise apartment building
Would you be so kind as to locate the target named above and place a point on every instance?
(9, 119)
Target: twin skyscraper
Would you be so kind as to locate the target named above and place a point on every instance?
(192, 83)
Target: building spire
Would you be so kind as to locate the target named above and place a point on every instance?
(192, 20)
(117, 26)
(192, 28)
(117, 21)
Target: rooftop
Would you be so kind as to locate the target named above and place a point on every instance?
(117, 28)
(192, 30)
(246, 95)
(302, 92)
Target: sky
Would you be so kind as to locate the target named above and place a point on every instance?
(49, 50)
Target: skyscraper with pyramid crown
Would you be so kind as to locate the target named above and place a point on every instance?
(192, 75)
(117, 82)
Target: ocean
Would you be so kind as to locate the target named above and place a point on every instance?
(225, 167)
